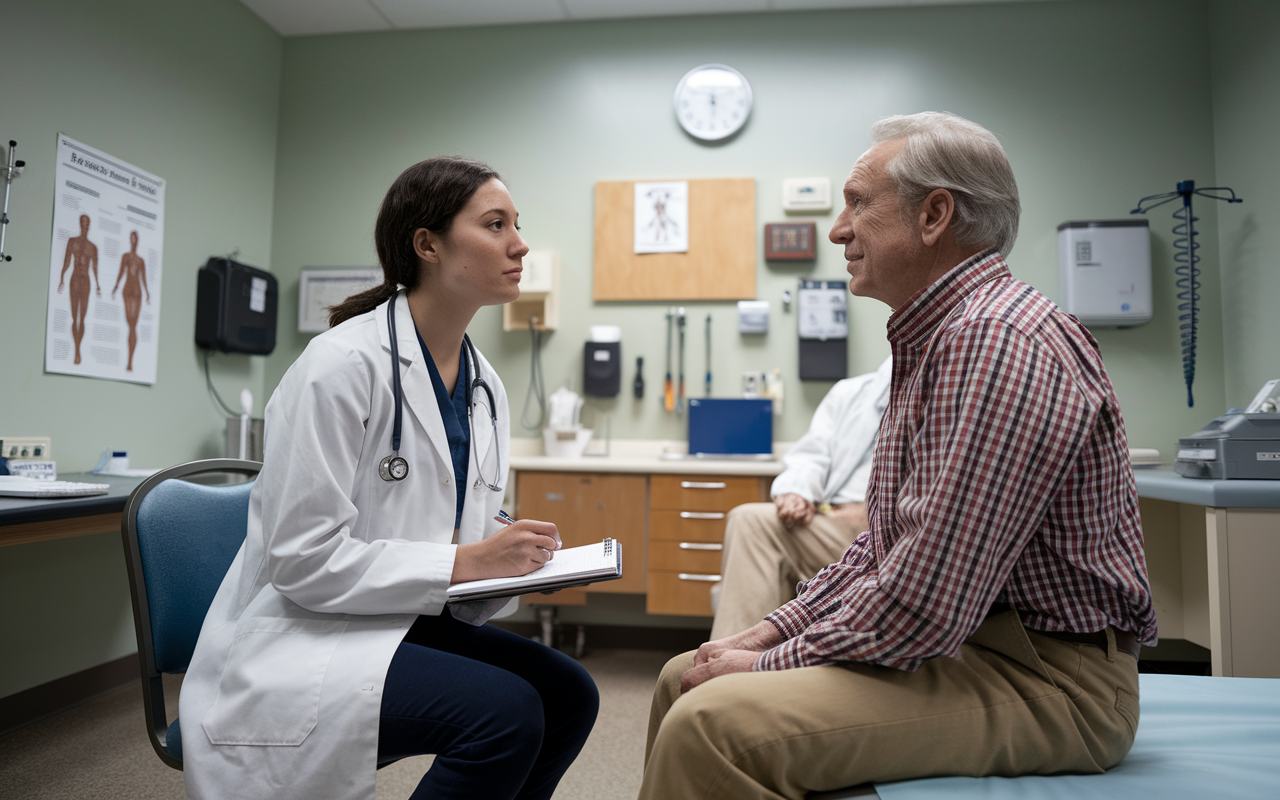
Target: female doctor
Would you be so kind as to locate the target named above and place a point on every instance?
(328, 650)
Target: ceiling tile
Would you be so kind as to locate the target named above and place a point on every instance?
(303, 17)
(456, 13)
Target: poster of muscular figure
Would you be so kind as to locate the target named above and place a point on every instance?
(108, 227)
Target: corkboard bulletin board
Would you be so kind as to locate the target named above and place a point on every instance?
(720, 263)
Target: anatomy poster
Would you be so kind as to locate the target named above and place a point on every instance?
(104, 269)
(662, 217)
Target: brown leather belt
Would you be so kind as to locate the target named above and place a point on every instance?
(1125, 642)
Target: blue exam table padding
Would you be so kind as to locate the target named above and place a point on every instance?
(1197, 738)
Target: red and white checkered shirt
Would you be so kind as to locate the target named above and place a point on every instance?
(1001, 474)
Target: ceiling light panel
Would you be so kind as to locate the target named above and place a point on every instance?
(601, 9)
(305, 17)
(458, 13)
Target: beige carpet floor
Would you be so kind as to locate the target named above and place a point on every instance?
(100, 750)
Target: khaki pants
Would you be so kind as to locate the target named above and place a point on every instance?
(1013, 703)
(763, 562)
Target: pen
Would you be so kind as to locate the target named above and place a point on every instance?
(506, 519)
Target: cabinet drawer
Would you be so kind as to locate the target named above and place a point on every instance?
(669, 593)
(700, 557)
(687, 526)
(701, 492)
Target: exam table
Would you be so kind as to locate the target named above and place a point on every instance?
(1197, 738)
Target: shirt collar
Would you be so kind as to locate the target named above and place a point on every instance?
(916, 320)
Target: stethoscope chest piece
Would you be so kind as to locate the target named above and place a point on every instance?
(393, 468)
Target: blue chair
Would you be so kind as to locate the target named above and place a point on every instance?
(179, 541)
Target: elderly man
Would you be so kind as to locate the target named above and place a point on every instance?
(819, 506)
(988, 623)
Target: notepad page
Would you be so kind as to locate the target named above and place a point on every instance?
(570, 562)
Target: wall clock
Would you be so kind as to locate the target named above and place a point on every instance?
(712, 102)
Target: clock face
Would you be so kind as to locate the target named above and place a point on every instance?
(712, 102)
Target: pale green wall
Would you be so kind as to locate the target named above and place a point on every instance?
(1093, 112)
(1246, 113)
(1099, 103)
(189, 91)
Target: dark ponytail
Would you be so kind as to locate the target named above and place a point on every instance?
(427, 195)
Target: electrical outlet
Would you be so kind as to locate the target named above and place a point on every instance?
(34, 447)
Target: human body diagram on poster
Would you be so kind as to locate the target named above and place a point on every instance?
(118, 211)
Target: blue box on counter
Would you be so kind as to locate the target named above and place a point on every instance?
(731, 426)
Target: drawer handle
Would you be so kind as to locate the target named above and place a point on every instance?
(693, 576)
(701, 515)
(700, 546)
(555, 496)
(702, 484)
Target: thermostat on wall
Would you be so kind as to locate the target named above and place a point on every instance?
(806, 194)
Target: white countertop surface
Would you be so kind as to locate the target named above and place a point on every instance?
(641, 456)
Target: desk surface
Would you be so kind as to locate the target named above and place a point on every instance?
(1160, 484)
(21, 510)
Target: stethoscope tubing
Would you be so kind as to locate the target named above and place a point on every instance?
(477, 382)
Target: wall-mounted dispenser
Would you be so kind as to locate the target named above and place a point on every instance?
(236, 307)
(602, 362)
(539, 294)
(1104, 271)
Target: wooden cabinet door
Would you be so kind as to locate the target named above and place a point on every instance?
(586, 507)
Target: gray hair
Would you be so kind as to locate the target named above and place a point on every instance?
(945, 151)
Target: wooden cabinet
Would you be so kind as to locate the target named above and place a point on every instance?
(686, 536)
(671, 528)
(586, 507)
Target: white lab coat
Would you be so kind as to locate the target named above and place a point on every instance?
(832, 462)
(283, 695)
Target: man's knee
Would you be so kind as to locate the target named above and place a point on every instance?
(715, 715)
(751, 520)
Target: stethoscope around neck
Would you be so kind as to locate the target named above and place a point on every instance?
(394, 467)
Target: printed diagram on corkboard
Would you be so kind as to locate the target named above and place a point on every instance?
(662, 217)
(108, 228)
(646, 249)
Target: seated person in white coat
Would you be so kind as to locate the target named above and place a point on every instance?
(817, 510)
(329, 650)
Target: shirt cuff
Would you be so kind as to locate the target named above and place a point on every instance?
(788, 655)
(792, 619)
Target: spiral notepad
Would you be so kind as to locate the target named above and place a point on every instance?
(572, 566)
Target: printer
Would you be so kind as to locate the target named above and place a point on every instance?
(1238, 444)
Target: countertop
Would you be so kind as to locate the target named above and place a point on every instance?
(642, 456)
(1164, 484)
(20, 510)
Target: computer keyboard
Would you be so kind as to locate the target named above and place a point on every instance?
(15, 486)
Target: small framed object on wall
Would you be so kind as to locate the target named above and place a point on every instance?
(320, 288)
(790, 241)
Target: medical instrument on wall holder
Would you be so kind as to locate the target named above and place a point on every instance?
(537, 387)
(708, 381)
(394, 467)
(11, 170)
(668, 391)
(638, 386)
(680, 320)
(1186, 260)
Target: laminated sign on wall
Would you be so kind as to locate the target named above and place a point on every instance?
(105, 265)
(824, 330)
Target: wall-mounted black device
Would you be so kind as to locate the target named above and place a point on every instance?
(236, 308)
(602, 369)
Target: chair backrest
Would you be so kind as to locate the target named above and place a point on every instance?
(179, 538)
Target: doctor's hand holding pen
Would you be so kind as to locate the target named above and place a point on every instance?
(518, 549)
